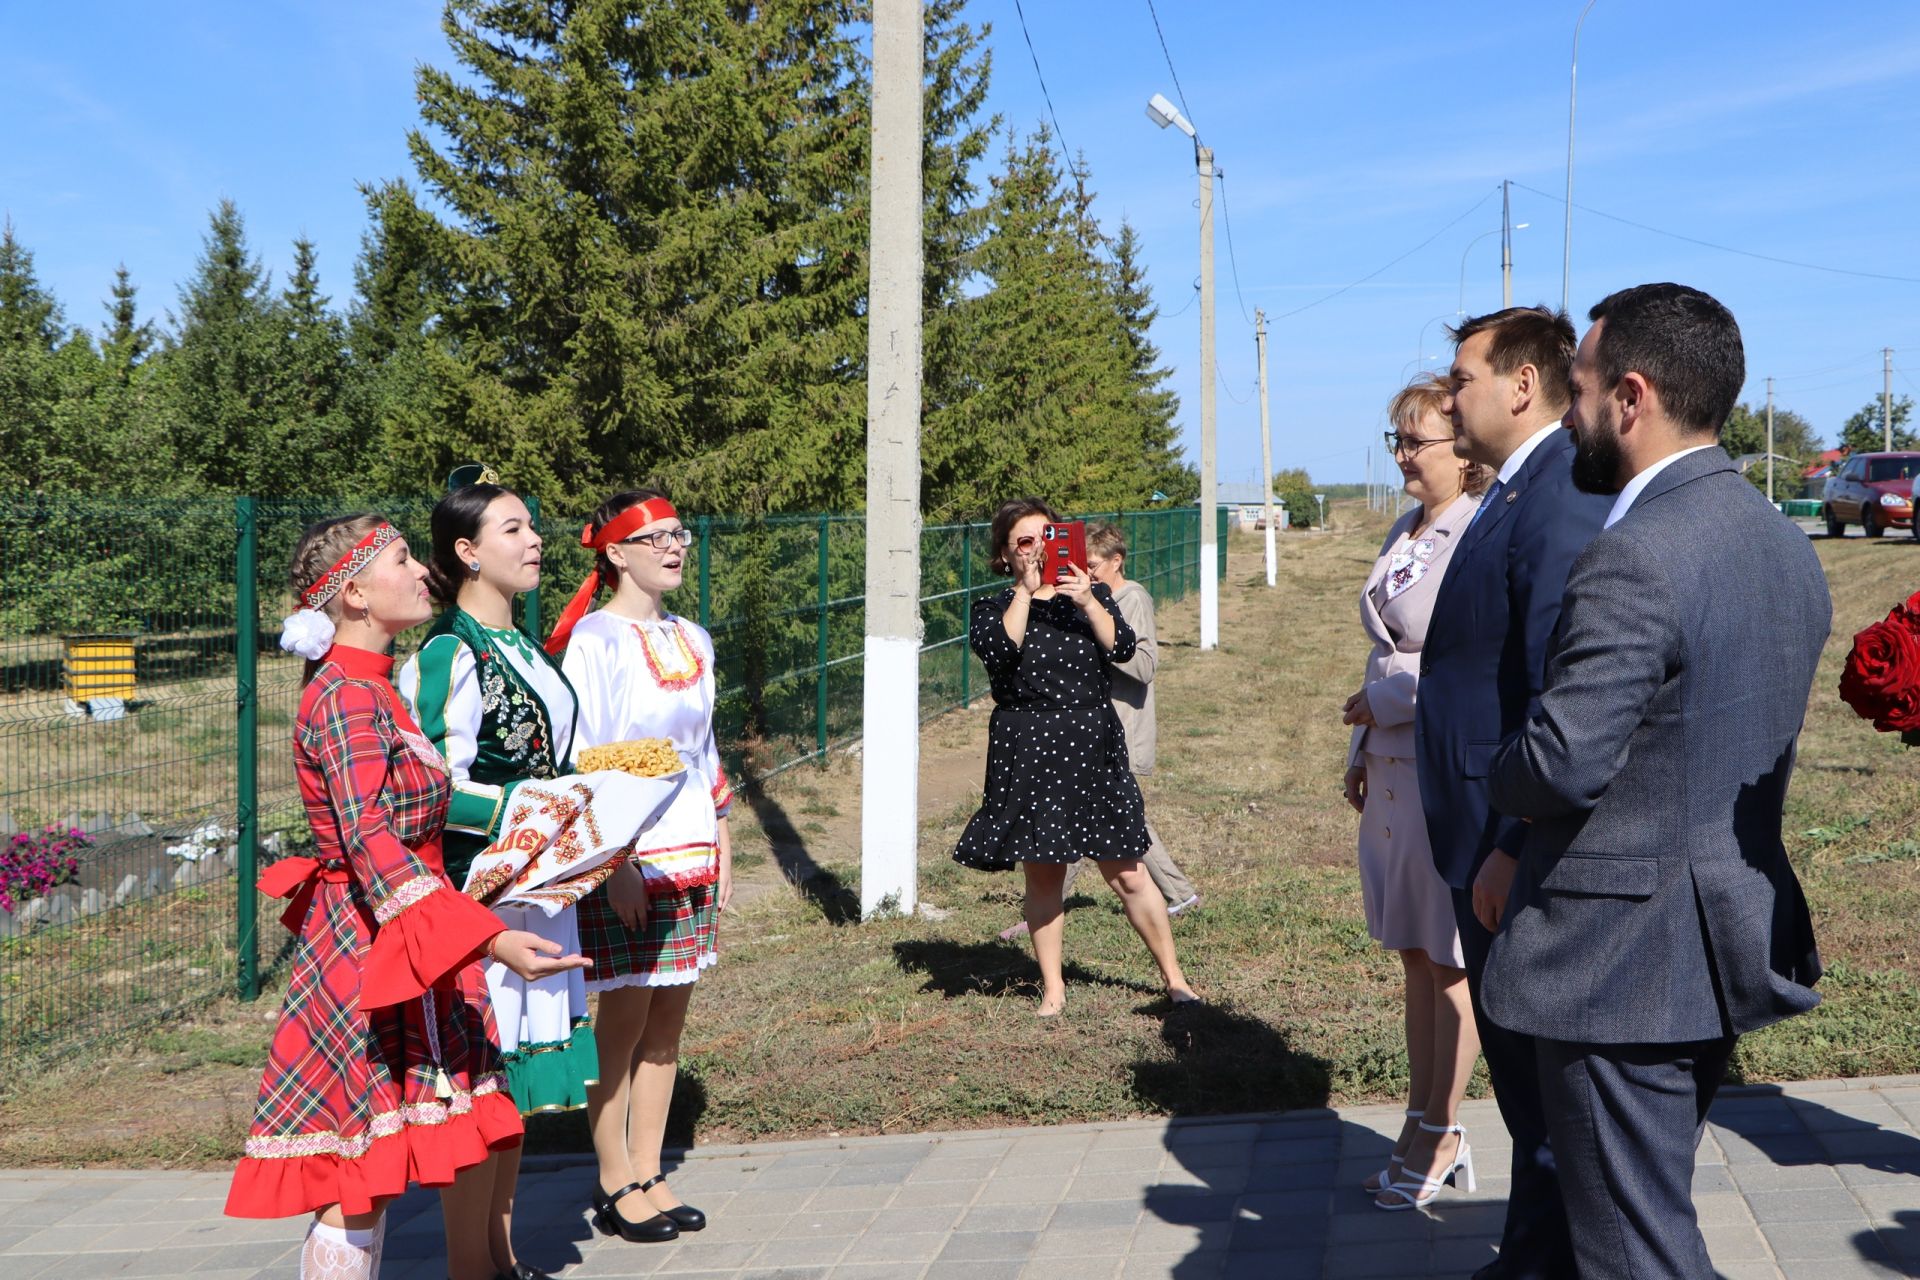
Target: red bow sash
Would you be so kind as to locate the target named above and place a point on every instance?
(299, 879)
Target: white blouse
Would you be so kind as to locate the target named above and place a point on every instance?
(649, 680)
(463, 698)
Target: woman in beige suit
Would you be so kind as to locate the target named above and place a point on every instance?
(1409, 908)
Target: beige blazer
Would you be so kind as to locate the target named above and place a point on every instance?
(1399, 630)
(1133, 679)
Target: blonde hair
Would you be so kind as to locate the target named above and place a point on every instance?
(319, 547)
(1106, 541)
(1429, 393)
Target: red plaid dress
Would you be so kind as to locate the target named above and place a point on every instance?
(385, 1068)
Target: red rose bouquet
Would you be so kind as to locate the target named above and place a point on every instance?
(1882, 678)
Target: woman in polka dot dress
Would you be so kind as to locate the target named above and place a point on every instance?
(1058, 788)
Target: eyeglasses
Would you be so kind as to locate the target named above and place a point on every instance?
(1411, 445)
(662, 539)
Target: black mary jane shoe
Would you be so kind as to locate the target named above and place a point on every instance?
(521, 1271)
(684, 1216)
(655, 1230)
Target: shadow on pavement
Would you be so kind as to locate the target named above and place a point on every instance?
(1254, 1196)
(1796, 1130)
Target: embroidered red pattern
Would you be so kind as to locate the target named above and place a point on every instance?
(684, 676)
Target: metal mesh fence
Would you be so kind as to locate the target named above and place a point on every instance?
(145, 710)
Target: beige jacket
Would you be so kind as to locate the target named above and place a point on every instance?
(1399, 631)
(1133, 679)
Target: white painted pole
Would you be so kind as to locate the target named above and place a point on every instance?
(1266, 439)
(1209, 506)
(890, 756)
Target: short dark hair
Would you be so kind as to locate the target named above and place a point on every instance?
(1012, 512)
(1682, 341)
(1539, 336)
(456, 516)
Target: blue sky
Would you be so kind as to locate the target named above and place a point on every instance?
(1348, 134)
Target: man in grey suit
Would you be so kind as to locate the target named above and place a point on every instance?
(1654, 917)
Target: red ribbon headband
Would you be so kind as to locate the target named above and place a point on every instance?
(618, 529)
(628, 523)
(348, 566)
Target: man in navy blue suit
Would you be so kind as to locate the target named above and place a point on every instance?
(1481, 672)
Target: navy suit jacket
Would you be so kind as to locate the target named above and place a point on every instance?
(1485, 658)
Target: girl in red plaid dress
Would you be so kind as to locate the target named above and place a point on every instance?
(384, 1069)
(641, 672)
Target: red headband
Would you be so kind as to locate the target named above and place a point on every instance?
(628, 523)
(618, 529)
(348, 566)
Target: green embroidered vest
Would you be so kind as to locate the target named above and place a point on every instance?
(515, 737)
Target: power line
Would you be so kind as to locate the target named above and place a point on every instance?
(1168, 53)
(1723, 248)
(1832, 368)
(1191, 299)
(1221, 379)
(1397, 261)
(1042, 77)
(1232, 261)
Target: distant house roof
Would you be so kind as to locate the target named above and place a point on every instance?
(1823, 464)
(1239, 494)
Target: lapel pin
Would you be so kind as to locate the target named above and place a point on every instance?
(1512, 494)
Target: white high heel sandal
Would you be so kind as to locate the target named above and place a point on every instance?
(1420, 1194)
(1385, 1175)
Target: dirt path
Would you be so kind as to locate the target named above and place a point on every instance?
(805, 823)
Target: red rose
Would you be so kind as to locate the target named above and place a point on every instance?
(1882, 678)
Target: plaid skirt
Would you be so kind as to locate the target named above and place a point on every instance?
(679, 939)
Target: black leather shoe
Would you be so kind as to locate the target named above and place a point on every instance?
(684, 1216)
(655, 1230)
(521, 1271)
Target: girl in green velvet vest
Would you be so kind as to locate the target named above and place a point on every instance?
(500, 711)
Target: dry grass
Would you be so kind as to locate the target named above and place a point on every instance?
(815, 1025)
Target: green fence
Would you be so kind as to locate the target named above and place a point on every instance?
(183, 784)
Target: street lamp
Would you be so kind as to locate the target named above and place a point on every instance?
(1566, 244)
(1164, 113)
(1461, 309)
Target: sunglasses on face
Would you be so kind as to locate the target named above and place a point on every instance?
(661, 539)
(1025, 543)
(1411, 445)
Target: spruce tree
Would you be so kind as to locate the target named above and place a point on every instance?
(653, 267)
(221, 371)
(1155, 406)
(31, 332)
(127, 338)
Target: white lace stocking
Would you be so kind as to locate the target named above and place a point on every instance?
(334, 1253)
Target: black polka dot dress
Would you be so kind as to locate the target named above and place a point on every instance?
(1058, 787)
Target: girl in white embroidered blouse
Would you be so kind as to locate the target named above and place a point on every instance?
(642, 672)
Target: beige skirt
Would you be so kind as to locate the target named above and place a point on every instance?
(1408, 905)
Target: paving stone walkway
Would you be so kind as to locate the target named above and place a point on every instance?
(1818, 1181)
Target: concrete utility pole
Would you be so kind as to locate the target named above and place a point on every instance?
(1769, 439)
(1566, 249)
(1886, 395)
(1209, 501)
(1506, 244)
(890, 705)
(1266, 438)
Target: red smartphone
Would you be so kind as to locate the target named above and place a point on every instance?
(1066, 544)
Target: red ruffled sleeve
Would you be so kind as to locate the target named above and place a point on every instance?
(435, 935)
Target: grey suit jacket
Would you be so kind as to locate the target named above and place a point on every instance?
(1654, 903)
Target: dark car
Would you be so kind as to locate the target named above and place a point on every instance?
(1872, 490)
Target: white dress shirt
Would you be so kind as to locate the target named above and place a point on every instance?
(1637, 485)
(1518, 458)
